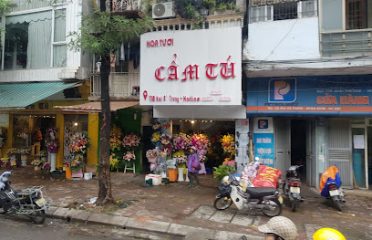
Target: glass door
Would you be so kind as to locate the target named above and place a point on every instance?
(359, 156)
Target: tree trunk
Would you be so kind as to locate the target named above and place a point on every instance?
(104, 179)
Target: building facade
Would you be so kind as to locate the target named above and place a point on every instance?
(312, 83)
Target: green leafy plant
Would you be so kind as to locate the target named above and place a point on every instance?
(221, 171)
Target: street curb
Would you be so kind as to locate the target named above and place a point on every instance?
(189, 232)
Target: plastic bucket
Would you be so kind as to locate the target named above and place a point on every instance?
(172, 174)
(68, 173)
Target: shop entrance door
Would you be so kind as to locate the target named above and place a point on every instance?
(359, 156)
(310, 154)
(298, 145)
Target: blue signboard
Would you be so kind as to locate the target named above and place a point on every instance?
(264, 148)
(325, 95)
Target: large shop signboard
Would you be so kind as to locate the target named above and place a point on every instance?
(198, 67)
(328, 95)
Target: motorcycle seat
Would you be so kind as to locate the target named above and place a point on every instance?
(260, 191)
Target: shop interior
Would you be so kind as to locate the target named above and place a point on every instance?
(298, 145)
(214, 130)
(29, 130)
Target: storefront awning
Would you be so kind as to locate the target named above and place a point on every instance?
(21, 95)
(200, 112)
(96, 106)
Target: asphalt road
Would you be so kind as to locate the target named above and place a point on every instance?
(14, 228)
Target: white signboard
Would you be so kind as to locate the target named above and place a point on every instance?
(198, 67)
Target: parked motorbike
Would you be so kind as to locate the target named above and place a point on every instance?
(292, 187)
(27, 202)
(330, 186)
(255, 199)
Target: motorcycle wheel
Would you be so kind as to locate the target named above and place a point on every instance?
(38, 217)
(294, 205)
(222, 203)
(337, 203)
(275, 208)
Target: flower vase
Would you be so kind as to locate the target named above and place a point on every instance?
(24, 160)
(180, 174)
(52, 157)
(187, 175)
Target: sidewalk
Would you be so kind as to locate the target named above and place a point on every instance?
(166, 208)
(176, 209)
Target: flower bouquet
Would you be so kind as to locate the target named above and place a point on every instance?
(228, 144)
(131, 141)
(115, 139)
(78, 144)
(129, 156)
(152, 156)
(181, 158)
(181, 141)
(155, 138)
(51, 140)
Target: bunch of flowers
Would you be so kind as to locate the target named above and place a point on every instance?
(131, 141)
(180, 157)
(181, 141)
(152, 154)
(200, 142)
(228, 144)
(155, 138)
(115, 139)
(229, 162)
(165, 139)
(78, 143)
(51, 140)
(77, 161)
(129, 156)
(36, 162)
(114, 161)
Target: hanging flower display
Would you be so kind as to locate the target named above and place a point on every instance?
(78, 143)
(181, 141)
(131, 141)
(129, 156)
(228, 144)
(51, 140)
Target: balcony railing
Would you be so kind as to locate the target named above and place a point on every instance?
(126, 5)
(351, 42)
(122, 85)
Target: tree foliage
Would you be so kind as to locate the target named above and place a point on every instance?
(102, 31)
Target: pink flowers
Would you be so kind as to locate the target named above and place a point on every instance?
(78, 143)
(131, 140)
(51, 140)
(129, 156)
(181, 141)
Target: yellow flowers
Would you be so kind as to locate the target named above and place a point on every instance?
(228, 143)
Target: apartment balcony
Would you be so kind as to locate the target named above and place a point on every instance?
(123, 86)
(347, 43)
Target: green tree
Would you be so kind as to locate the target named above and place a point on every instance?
(101, 33)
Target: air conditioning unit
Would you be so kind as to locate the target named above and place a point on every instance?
(163, 10)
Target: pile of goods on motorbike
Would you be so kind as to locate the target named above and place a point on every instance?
(330, 187)
(28, 202)
(256, 190)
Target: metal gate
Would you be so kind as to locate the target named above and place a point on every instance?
(339, 149)
(282, 144)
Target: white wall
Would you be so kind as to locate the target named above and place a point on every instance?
(283, 40)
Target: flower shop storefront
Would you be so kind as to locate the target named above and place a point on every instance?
(194, 87)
